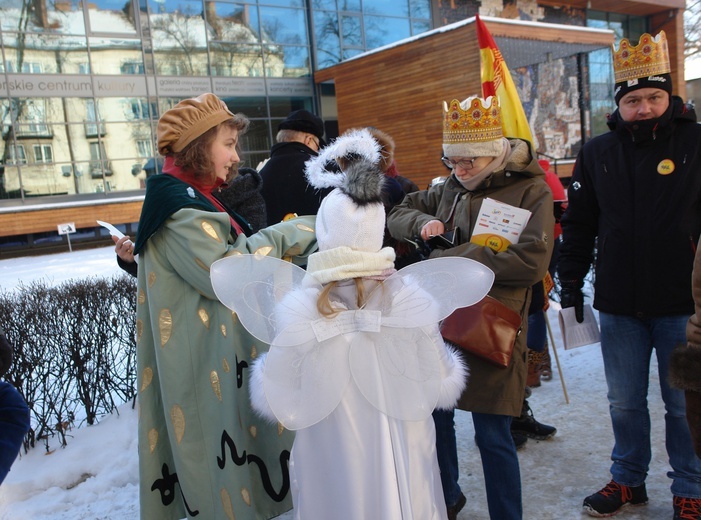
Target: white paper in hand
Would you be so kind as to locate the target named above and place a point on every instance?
(116, 233)
(109, 227)
(579, 334)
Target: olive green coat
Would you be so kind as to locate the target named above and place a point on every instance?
(520, 183)
(203, 453)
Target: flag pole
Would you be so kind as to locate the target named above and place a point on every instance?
(557, 359)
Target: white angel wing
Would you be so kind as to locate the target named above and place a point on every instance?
(398, 371)
(305, 383)
(426, 292)
(253, 285)
(306, 370)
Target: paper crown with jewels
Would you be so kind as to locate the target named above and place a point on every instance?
(649, 58)
(472, 127)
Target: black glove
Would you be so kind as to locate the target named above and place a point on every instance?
(571, 296)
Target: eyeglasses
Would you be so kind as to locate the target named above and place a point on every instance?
(465, 164)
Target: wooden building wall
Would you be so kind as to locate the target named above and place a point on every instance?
(41, 219)
(401, 89)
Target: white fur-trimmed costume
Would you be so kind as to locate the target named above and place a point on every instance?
(358, 387)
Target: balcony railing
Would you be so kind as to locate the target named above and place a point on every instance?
(33, 130)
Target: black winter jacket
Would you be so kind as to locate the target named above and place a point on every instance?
(636, 195)
(285, 188)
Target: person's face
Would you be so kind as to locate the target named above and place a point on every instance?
(312, 142)
(224, 155)
(466, 167)
(644, 103)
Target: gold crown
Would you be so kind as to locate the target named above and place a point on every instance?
(472, 120)
(649, 58)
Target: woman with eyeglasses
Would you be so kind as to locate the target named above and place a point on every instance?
(485, 165)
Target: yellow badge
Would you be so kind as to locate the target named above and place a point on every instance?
(665, 167)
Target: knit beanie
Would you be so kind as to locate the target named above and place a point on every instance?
(350, 223)
(303, 121)
(188, 120)
(645, 65)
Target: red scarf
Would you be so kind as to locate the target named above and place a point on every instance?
(188, 177)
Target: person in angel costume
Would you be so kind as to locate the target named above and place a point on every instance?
(356, 363)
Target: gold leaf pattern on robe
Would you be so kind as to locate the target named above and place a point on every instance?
(226, 366)
(293, 251)
(233, 252)
(304, 227)
(152, 439)
(204, 316)
(226, 504)
(223, 330)
(254, 352)
(210, 231)
(280, 428)
(246, 495)
(151, 279)
(139, 330)
(142, 297)
(177, 417)
(234, 317)
(263, 251)
(253, 431)
(201, 264)
(165, 326)
(214, 380)
(146, 378)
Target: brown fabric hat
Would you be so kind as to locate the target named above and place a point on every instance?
(386, 147)
(188, 120)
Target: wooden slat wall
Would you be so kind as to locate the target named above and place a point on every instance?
(634, 7)
(42, 220)
(401, 91)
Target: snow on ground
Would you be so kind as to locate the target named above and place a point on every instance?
(95, 477)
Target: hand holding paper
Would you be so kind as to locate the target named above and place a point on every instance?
(576, 334)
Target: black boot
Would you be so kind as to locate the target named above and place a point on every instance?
(519, 440)
(528, 426)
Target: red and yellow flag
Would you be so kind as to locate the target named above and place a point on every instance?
(496, 81)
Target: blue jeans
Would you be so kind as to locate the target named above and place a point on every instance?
(536, 335)
(502, 476)
(14, 424)
(626, 346)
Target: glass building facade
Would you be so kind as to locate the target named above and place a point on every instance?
(601, 64)
(82, 84)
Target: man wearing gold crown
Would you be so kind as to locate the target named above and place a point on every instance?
(635, 198)
(485, 165)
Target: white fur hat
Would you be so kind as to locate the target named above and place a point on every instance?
(350, 223)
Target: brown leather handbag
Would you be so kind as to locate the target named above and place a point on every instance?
(487, 329)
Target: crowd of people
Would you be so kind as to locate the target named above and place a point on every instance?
(329, 389)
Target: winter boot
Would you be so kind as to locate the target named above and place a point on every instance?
(519, 440)
(614, 497)
(546, 369)
(528, 426)
(534, 372)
